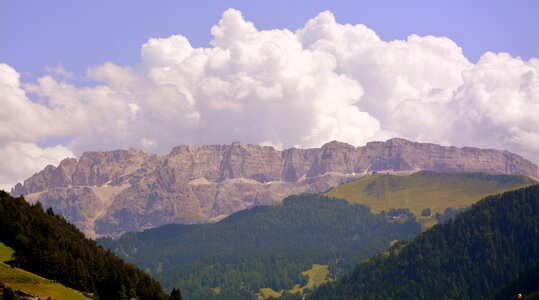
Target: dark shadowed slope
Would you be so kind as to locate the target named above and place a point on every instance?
(47, 245)
(527, 284)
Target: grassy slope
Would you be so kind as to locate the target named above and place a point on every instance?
(267, 292)
(426, 189)
(318, 274)
(6, 253)
(19, 279)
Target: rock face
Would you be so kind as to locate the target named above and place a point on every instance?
(108, 193)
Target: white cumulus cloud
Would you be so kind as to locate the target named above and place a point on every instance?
(324, 81)
(25, 159)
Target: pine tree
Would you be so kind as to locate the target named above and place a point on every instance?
(122, 293)
(175, 294)
(9, 294)
(132, 294)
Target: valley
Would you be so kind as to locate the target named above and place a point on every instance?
(311, 245)
(249, 245)
(266, 247)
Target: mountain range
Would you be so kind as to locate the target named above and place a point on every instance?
(109, 193)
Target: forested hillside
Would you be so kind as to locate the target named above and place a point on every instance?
(469, 257)
(45, 244)
(263, 247)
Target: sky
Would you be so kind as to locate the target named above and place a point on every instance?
(103, 75)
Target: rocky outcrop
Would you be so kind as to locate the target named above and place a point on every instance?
(108, 193)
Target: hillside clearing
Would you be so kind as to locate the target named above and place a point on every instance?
(19, 279)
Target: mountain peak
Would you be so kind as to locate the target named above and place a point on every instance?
(336, 144)
(400, 141)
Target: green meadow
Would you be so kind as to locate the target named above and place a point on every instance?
(318, 274)
(426, 189)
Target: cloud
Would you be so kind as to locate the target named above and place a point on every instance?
(166, 52)
(498, 104)
(59, 71)
(24, 159)
(325, 81)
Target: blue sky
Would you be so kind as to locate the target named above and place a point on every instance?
(81, 34)
(100, 75)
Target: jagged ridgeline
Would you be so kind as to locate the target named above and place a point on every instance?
(494, 243)
(263, 247)
(45, 244)
(110, 193)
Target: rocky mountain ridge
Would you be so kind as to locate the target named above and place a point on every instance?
(108, 193)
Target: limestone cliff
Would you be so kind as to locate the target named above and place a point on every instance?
(108, 193)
